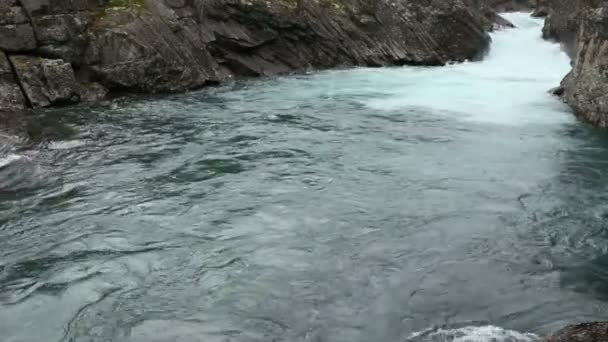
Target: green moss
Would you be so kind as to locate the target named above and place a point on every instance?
(119, 6)
(126, 3)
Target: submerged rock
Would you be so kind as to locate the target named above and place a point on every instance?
(584, 332)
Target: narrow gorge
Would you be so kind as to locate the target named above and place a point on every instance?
(284, 170)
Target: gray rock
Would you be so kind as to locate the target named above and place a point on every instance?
(16, 33)
(93, 92)
(584, 332)
(62, 36)
(11, 97)
(564, 18)
(46, 81)
(586, 86)
(12, 15)
(17, 38)
(557, 91)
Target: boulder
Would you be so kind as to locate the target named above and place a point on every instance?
(46, 81)
(584, 332)
(11, 97)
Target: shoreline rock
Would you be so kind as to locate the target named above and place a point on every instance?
(583, 332)
(582, 27)
(168, 46)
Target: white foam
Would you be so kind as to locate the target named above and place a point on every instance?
(508, 87)
(64, 145)
(9, 159)
(487, 333)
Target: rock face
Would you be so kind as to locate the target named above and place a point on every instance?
(512, 5)
(582, 27)
(153, 46)
(586, 86)
(16, 33)
(564, 19)
(11, 97)
(46, 81)
(585, 332)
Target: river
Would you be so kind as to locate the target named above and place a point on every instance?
(461, 203)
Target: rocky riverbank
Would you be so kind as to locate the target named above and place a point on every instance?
(56, 52)
(582, 27)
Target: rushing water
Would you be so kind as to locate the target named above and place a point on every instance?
(429, 204)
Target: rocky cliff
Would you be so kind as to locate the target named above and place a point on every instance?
(66, 51)
(582, 26)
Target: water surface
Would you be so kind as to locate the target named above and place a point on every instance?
(416, 203)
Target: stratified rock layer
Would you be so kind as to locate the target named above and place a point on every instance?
(153, 46)
(582, 27)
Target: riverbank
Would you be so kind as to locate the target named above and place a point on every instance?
(59, 53)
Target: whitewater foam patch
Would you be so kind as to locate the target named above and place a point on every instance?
(487, 333)
(64, 145)
(9, 159)
(505, 88)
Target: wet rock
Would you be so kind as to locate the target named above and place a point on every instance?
(540, 12)
(46, 81)
(502, 23)
(584, 332)
(93, 92)
(557, 91)
(11, 97)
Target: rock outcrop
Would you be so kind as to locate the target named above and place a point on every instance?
(64, 50)
(11, 96)
(563, 19)
(582, 27)
(512, 5)
(584, 332)
(16, 32)
(586, 86)
(46, 82)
